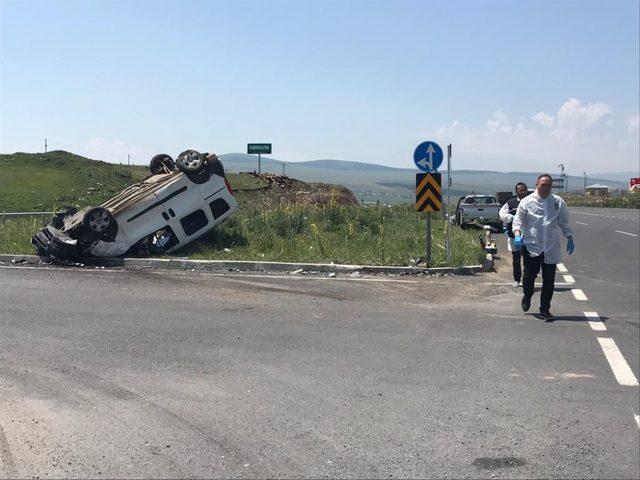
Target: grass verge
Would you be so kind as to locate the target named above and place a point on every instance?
(374, 235)
(628, 200)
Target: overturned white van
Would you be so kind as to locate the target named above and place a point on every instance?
(178, 203)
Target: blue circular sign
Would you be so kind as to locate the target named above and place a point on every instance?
(428, 156)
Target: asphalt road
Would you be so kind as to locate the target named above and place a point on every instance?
(111, 373)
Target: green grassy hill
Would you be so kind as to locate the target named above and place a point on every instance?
(46, 181)
(49, 181)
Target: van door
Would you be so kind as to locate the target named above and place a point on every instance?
(144, 217)
(182, 200)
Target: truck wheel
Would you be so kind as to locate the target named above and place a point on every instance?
(190, 161)
(162, 163)
(99, 223)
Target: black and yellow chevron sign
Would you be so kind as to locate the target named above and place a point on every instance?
(428, 192)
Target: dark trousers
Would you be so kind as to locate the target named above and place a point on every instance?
(531, 269)
(517, 268)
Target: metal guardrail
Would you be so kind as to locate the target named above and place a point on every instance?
(4, 215)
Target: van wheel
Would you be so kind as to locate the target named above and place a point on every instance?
(99, 223)
(215, 165)
(190, 161)
(162, 163)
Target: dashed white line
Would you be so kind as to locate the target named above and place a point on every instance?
(618, 364)
(562, 268)
(579, 294)
(627, 233)
(537, 284)
(595, 322)
(585, 213)
(569, 279)
(582, 223)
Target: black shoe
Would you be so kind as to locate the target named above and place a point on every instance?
(547, 315)
(526, 303)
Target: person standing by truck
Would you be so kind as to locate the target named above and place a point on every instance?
(540, 219)
(507, 214)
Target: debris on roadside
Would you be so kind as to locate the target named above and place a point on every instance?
(287, 190)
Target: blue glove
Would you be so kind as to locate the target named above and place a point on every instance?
(517, 243)
(570, 245)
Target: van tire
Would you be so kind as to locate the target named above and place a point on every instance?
(99, 223)
(191, 161)
(161, 163)
(215, 165)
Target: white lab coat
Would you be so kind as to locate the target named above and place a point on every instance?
(541, 221)
(507, 218)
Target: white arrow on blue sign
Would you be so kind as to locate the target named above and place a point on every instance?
(428, 156)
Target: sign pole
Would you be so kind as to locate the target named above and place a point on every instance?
(428, 157)
(428, 261)
(448, 224)
(259, 164)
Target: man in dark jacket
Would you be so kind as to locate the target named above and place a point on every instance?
(507, 213)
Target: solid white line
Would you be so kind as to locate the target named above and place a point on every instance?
(637, 417)
(595, 322)
(627, 233)
(618, 364)
(582, 223)
(238, 275)
(579, 294)
(310, 277)
(569, 279)
(562, 268)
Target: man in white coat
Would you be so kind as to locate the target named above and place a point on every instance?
(507, 214)
(540, 219)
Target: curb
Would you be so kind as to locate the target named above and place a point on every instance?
(244, 265)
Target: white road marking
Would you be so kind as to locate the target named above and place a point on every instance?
(584, 213)
(310, 277)
(582, 223)
(562, 268)
(595, 322)
(627, 233)
(618, 364)
(239, 275)
(637, 417)
(569, 279)
(539, 284)
(579, 294)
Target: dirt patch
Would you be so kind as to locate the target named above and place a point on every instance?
(282, 190)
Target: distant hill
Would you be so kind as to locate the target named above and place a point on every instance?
(393, 185)
(42, 181)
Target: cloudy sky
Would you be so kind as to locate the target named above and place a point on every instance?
(520, 85)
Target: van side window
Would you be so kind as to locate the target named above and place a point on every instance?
(194, 222)
(219, 207)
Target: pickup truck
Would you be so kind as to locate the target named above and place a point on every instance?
(479, 210)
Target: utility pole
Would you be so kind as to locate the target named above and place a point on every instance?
(584, 190)
(564, 180)
(447, 224)
(45, 145)
(283, 166)
(129, 159)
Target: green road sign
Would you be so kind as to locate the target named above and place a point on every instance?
(259, 148)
